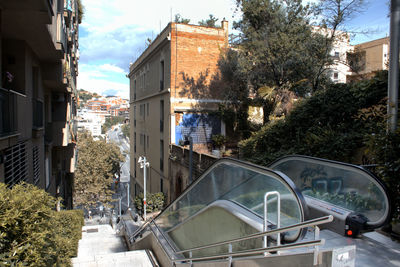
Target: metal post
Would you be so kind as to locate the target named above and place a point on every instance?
(278, 214)
(316, 248)
(119, 204)
(144, 191)
(127, 194)
(393, 83)
(144, 164)
(190, 159)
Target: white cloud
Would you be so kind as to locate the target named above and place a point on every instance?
(113, 34)
(111, 68)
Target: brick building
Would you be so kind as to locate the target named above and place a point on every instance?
(39, 65)
(169, 100)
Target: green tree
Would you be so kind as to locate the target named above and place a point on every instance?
(111, 121)
(32, 233)
(126, 130)
(81, 11)
(210, 22)
(98, 163)
(180, 19)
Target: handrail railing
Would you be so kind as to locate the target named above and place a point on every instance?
(255, 251)
(278, 210)
(309, 223)
(140, 229)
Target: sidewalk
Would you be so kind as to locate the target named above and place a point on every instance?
(100, 246)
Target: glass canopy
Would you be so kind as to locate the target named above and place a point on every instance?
(343, 185)
(241, 187)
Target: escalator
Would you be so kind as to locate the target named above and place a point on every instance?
(224, 212)
(355, 197)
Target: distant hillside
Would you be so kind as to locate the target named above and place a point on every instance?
(84, 96)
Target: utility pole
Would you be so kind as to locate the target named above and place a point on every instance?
(143, 165)
(393, 83)
(127, 194)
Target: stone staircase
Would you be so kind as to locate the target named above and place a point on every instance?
(100, 246)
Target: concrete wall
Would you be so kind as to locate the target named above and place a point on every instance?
(179, 168)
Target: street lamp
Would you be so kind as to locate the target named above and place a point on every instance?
(143, 165)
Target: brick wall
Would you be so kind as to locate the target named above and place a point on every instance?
(194, 50)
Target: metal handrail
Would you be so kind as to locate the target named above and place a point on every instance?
(141, 228)
(278, 210)
(313, 222)
(255, 251)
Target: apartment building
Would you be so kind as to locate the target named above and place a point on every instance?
(372, 56)
(165, 106)
(39, 65)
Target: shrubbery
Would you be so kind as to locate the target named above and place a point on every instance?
(154, 201)
(325, 125)
(32, 233)
(345, 122)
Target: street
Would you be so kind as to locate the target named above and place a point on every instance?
(115, 136)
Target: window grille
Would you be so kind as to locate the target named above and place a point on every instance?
(15, 164)
(36, 165)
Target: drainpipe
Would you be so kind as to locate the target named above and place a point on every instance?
(393, 80)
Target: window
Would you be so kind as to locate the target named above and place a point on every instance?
(135, 171)
(161, 185)
(162, 75)
(335, 75)
(15, 164)
(161, 116)
(48, 171)
(144, 81)
(134, 142)
(161, 155)
(36, 165)
(141, 139)
(148, 109)
(336, 55)
(134, 116)
(148, 138)
(134, 89)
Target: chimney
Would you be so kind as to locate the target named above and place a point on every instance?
(225, 27)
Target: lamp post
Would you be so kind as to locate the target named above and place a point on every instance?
(143, 165)
(393, 83)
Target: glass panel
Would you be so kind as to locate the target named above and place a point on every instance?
(342, 185)
(242, 184)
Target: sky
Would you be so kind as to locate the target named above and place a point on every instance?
(113, 33)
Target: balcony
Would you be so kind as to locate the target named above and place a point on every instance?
(8, 112)
(61, 34)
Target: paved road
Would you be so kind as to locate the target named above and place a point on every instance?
(115, 136)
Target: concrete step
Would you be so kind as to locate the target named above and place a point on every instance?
(137, 258)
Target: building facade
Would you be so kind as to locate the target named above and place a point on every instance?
(373, 56)
(165, 105)
(39, 65)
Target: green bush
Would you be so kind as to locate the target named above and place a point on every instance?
(32, 233)
(325, 125)
(155, 202)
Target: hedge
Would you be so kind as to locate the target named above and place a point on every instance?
(32, 233)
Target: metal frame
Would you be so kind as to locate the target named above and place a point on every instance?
(278, 210)
(359, 168)
(310, 223)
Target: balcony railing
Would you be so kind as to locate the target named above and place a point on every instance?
(37, 113)
(8, 112)
(61, 32)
